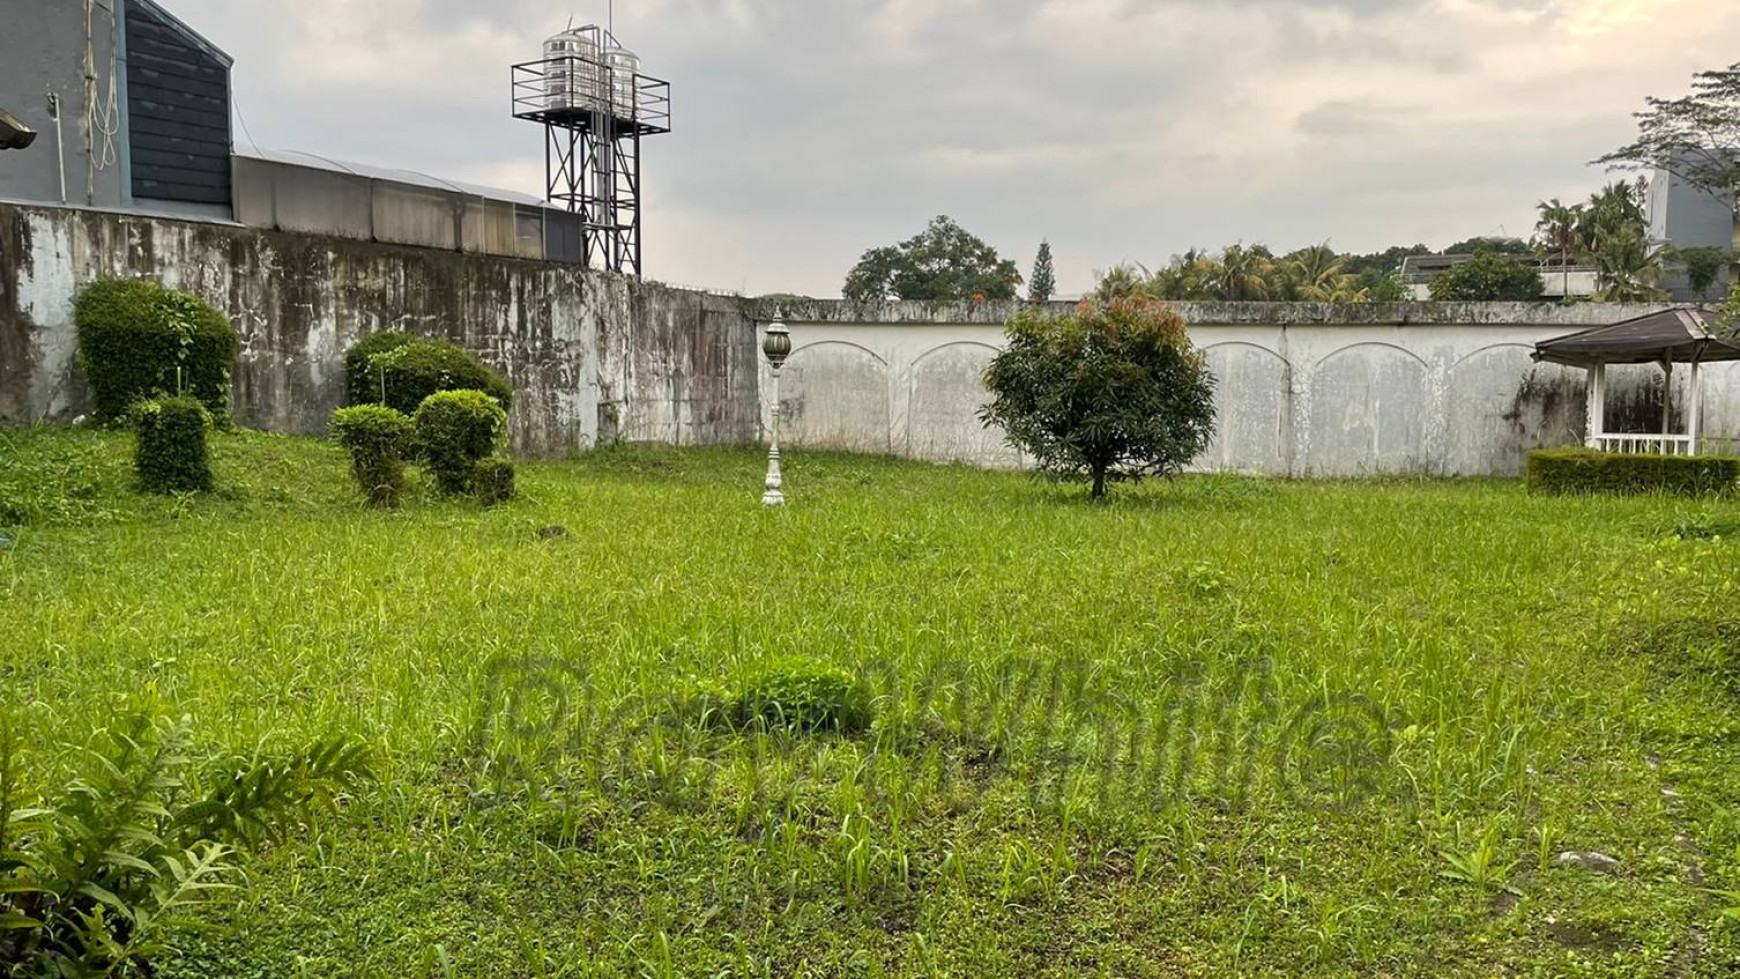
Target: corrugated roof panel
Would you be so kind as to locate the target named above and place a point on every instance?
(412, 178)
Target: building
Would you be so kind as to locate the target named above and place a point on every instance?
(1557, 281)
(131, 109)
(1687, 216)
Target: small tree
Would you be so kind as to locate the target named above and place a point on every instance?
(1704, 268)
(1489, 277)
(1114, 392)
(1043, 284)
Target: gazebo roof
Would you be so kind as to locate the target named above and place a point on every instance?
(1681, 335)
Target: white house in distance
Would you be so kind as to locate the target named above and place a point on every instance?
(1557, 281)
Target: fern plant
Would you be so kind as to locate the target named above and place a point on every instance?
(137, 848)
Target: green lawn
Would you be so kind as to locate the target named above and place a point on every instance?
(1221, 726)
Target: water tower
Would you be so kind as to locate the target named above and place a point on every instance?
(594, 103)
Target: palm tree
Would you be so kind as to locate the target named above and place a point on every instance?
(1242, 274)
(1557, 233)
(1629, 267)
(1315, 274)
(1124, 281)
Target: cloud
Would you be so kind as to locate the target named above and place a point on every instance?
(1119, 129)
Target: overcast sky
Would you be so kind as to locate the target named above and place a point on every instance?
(810, 130)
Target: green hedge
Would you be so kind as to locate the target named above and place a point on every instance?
(171, 454)
(455, 431)
(138, 340)
(1568, 471)
(378, 439)
(362, 382)
(402, 371)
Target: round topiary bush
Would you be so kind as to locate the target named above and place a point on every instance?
(456, 430)
(804, 695)
(378, 439)
(171, 454)
(138, 340)
(362, 382)
(401, 372)
(493, 480)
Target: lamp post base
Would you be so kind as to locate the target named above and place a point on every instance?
(775, 495)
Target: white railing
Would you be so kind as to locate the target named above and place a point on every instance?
(1669, 445)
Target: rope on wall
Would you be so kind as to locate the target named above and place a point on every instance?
(100, 119)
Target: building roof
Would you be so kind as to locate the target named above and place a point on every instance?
(1682, 335)
(414, 178)
(193, 37)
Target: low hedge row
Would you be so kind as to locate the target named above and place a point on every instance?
(1560, 472)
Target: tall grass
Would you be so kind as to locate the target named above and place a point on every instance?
(1221, 725)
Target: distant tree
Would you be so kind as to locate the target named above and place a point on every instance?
(1114, 392)
(1184, 278)
(1695, 137)
(1704, 268)
(1629, 268)
(944, 262)
(1488, 277)
(1043, 285)
(1384, 287)
(1125, 281)
(1557, 236)
(1494, 243)
(1318, 274)
(1614, 211)
(1384, 262)
(1241, 274)
(1728, 317)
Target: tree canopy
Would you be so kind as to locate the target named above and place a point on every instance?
(1113, 392)
(1695, 137)
(943, 262)
(1488, 277)
(1611, 233)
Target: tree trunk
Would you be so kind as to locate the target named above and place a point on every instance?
(1099, 484)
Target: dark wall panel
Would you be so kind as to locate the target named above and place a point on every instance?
(178, 112)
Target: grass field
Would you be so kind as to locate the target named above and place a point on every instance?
(1221, 726)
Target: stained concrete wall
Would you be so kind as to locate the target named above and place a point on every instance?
(651, 363)
(1303, 389)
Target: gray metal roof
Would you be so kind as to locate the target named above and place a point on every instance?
(296, 158)
(193, 37)
(1682, 335)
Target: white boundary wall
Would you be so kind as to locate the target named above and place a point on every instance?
(1429, 389)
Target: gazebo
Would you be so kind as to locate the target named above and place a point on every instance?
(1673, 336)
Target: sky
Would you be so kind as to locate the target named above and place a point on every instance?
(807, 131)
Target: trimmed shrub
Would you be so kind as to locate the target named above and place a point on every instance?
(138, 340)
(1571, 471)
(171, 454)
(456, 430)
(401, 372)
(803, 695)
(493, 480)
(362, 382)
(378, 439)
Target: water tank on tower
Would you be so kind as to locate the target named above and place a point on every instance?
(624, 70)
(572, 75)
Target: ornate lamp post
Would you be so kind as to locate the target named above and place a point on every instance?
(777, 347)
